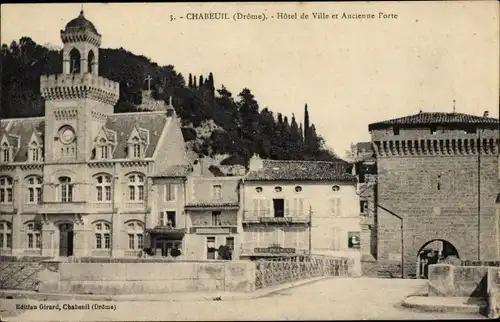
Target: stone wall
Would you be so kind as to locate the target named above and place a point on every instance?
(437, 197)
(20, 274)
(493, 293)
(148, 277)
(463, 281)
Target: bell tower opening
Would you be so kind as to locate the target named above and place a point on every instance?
(75, 61)
(91, 63)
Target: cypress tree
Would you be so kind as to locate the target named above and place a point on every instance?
(190, 84)
(306, 125)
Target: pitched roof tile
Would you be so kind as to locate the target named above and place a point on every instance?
(279, 170)
(23, 128)
(424, 118)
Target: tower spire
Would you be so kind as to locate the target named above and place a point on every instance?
(81, 9)
(454, 106)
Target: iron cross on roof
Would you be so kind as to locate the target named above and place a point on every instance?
(148, 79)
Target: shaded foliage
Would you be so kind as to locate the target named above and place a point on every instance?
(243, 128)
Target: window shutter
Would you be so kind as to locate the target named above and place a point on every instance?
(333, 205)
(301, 207)
(338, 207)
(287, 208)
(269, 207)
(160, 218)
(262, 208)
(256, 207)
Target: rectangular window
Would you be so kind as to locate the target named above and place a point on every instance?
(335, 206)
(141, 193)
(217, 191)
(131, 241)
(107, 241)
(30, 241)
(131, 193)
(171, 218)
(211, 248)
(161, 219)
(169, 192)
(140, 241)
(39, 195)
(108, 193)
(31, 195)
(98, 241)
(104, 152)
(9, 194)
(230, 242)
(137, 151)
(9, 240)
(216, 218)
(38, 241)
(363, 205)
(2, 195)
(99, 193)
(2, 236)
(279, 207)
(6, 155)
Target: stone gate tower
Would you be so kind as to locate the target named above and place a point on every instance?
(438, 180)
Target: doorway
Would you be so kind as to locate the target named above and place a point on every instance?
(164, 247)
(433, 252)
(279, 207)
(66, 240)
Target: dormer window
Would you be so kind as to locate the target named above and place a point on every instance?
(135, 148)
(34, 152)
(104, 150)
(6, 155)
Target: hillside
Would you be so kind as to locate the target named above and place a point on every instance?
(215, 121)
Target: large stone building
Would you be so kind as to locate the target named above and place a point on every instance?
(299, 207)
(437, 181)
(79, 181)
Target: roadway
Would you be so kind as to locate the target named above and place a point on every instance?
(330, 299)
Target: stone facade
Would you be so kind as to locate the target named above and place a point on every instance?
(319, 205)
(437, 179)
(78, 181)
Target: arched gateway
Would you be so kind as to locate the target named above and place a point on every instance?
(433, 252)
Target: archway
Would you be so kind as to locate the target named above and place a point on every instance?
(90, 62)
(433, 252)
(74, 60)
(66, 239)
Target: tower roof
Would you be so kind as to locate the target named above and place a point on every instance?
(80, 23)
(434, 118)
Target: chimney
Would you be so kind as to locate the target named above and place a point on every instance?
(255, 163)
(486, 114)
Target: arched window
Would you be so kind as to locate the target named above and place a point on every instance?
(103, 188)
(136, 187)
(135, 232)
(90, 61)
(5, 235)
(33, 235)
(102, 231)
(75, 60)
(5, 190)
(5, 152)
(66, 189)
(34, 190)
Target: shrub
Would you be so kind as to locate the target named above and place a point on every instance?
(225, 252)
(175, 252)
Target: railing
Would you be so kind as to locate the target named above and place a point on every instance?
(287, 269)
(268, 217)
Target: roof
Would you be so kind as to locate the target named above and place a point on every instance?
(23, 128)
(279, 170)
(435, 118)
(80, 23)
(175, 171)
(123, 125)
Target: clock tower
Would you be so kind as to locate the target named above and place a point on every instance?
(78, 101)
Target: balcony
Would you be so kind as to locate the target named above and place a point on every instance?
(213, 205)
(289, 218)
(7, 208)
(133, 207)
(80, 207)
(249, 249)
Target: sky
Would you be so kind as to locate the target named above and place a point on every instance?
(350, 72)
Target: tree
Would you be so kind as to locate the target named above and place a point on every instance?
(225, 252)
(190, 85)
(175, 252)
(306, 125)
